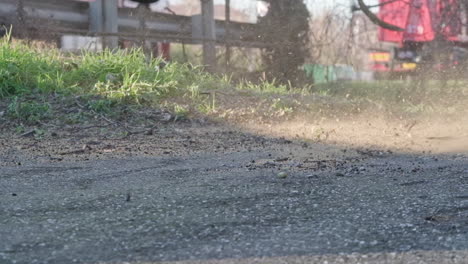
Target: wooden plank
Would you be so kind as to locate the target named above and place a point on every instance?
(227, 28)
(96, 19)
(209, 34)
(55, 17)
(110, 23)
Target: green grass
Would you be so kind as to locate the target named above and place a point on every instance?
(101, 105)
(30, 112)
(122, 75)
(23, 70)
(265, 87)
(109, 78)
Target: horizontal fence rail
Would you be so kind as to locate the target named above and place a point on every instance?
(45, 19)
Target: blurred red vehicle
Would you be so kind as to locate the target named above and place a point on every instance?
(433, 34)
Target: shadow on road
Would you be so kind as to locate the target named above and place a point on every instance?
(288, 198)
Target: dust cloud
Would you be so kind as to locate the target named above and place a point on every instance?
(441, 134)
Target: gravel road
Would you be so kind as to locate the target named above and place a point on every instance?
(369, 207)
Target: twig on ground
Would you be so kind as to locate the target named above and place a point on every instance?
(28, 133)
(78, 151)
(83, 150)
(214, 92)
(411, 125)
(129, 132)
(89, 127)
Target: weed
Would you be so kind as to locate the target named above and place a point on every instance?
(181, 112)
(127, 77)
(19, 129)
(74, 118)
(23, 69)
(279, 104)
(31, 112)
(124, 76)
(101, 105)
(265, 87)
(205, 107)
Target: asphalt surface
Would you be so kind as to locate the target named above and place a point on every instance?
(233, 208)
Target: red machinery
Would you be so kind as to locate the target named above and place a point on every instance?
(425, 23)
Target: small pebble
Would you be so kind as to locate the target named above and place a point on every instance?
(339, 174)
(282, 175)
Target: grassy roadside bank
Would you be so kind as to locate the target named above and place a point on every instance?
(46, 88)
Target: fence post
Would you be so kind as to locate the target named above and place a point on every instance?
(96, 21)
(21, 19)
(110, 23)
(95, 16)
(144, 12)
(227, 32)
(209, 34)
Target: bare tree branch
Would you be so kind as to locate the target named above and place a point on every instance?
(375, 19)
(383, 4)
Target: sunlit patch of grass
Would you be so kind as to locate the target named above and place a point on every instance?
(104, 80)
(121, 75)
(181, 112)
(281, 105)
(24, 69)
(265, 87)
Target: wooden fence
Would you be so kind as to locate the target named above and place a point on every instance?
(45, 19)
